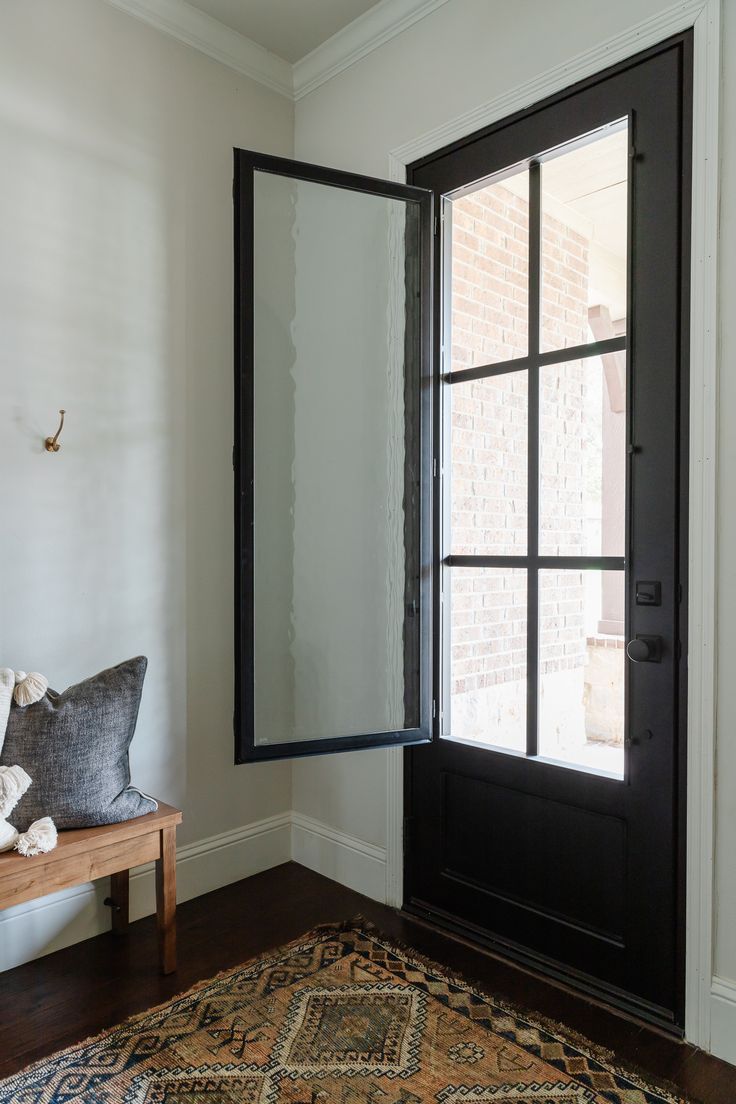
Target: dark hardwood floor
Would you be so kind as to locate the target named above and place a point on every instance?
(65, 997)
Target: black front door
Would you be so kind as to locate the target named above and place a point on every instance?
(546, 818)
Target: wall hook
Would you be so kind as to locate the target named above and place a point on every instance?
(52, 443)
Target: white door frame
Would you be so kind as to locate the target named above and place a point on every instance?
(704, 17)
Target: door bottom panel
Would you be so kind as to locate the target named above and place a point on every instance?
(628, 1003)
(539, 865)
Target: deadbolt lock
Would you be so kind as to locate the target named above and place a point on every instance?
(645, 649)
(632, 741)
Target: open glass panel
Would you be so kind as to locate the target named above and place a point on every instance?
(535, 431)
(332, 460)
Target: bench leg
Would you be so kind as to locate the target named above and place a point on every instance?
(119, 899)
(166, 901)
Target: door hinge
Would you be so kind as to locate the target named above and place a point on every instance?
(233, 457)
(434, 467)
(434, 708)
(436, 226)
(405, 832)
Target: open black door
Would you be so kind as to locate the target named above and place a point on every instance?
(332, 459)
(547, 817)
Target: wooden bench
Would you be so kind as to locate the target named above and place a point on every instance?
(83, 854)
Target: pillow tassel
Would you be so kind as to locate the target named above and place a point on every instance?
(40, 838)
(29, 688)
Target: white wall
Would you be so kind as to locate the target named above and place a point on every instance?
(463, 55)
(116, 302)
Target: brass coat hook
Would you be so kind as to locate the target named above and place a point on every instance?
(52, 443)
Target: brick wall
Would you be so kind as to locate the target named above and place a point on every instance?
(489, 454)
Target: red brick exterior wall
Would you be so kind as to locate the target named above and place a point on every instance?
(489, 439)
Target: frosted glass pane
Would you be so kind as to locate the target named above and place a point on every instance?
(335, 473)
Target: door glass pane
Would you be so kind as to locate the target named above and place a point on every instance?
(490, 272)
(582, 446)
(336, 438)
(585, 241)
(489, 465)
(582, 668)
(488, 657)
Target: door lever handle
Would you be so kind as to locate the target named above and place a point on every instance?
(645, 649)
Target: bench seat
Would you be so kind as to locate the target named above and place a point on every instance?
(84, 854)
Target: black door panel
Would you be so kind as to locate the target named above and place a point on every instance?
(573, 867)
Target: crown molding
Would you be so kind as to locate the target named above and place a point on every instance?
(192, 27)
(365, 34)
(189, 25)
(640, 36)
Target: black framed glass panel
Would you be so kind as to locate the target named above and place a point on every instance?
(536, 447)
(332, 460)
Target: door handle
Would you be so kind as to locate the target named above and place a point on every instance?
(645, 649)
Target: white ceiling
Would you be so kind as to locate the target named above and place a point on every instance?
(591, 181)
(288, 28)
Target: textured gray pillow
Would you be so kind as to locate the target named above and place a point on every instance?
(75, 747)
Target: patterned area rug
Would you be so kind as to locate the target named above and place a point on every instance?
(338, 1017)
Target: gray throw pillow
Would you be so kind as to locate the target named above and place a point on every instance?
(75, 747)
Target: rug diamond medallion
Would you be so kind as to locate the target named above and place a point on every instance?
(341, 1016)
(354, 1029)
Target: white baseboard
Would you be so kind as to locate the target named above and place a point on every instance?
(723, 1019)
(34, 929)
(39, 927)
(352, 862)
